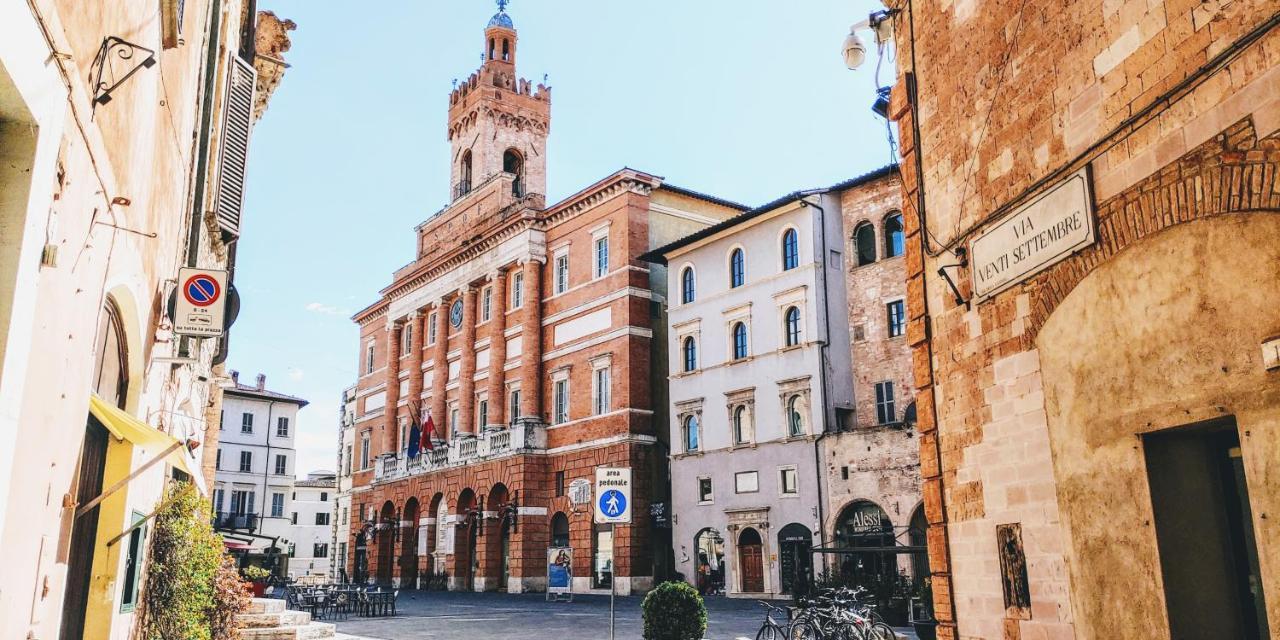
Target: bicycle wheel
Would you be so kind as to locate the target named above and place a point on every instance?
(769, 632)
(880, 631)
(804, 630)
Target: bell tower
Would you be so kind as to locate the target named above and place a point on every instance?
(498, 122)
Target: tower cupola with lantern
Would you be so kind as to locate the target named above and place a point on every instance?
(498, 121)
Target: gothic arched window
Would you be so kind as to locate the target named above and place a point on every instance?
(864, 243)
(893, 235)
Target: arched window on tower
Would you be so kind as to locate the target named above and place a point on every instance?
(864, 243)
(512, 163)
(464, 176)
(893, 235)
(491, 45)
(506, 50)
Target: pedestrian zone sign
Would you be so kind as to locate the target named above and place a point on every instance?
(613, 495)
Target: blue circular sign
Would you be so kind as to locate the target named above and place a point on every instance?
(613, 503)
(201, 290)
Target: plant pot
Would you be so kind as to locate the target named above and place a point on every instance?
(926, 630)
(259, 588)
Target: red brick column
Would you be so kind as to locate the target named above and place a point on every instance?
(498, 350)
(467, 371)
(417, 320)
(440, 370)
(531, 350)
(390, 430)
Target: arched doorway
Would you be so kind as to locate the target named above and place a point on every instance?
(862, 524)
(918, 536)
(387, 525)
(559, 530)
(751, 560)
(466, 559)
(443, 541)
(795, 558)
(498, 544)
(409, 545)
(361, 569)
(708, 547)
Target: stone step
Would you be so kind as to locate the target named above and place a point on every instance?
(266, 605)
(281, 619)
(309, 631)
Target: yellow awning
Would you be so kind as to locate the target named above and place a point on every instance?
(155, 442)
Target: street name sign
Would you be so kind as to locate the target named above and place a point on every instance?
(613, 495)
(201, 302)
(1038, 235)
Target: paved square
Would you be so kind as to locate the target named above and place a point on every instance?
(477, 616)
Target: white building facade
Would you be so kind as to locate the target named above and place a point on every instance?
(311, 537)
(253, 487)
(759, 354)
(342, 500)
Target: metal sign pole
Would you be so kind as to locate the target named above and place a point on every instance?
(613, 574)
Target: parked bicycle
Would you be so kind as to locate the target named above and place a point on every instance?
(771, 629)
(837, 614)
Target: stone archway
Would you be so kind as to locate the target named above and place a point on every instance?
(1165, 337)
(496, 563)
(467, 532)
(385, 540)
(409, 551)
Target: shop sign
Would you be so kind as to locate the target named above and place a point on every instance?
(866, 519)
(1038, 235)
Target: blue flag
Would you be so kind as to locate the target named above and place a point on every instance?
(415, 441)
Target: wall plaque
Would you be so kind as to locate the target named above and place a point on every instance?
(1038, 235)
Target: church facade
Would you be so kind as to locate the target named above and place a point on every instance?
(533, 338)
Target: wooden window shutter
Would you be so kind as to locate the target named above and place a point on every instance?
(233, 152)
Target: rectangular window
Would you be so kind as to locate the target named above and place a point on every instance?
(897, 318)
(277, 505)
(486, 304)
(241, 502)
(368, 358)
(320, 550)
(218, 494)
(345, 514)
(482, 413)
(517, 291)
(453, 420)
(346, 462)
(322, 518)
(705, 495)
(431, 329)
(514, 409)
(562, 272)
(364, 451)
(294, 517)
(217, 461)
(246, 423)
(885, 412)
(133, 565)
(282, 427)
(324, 496)
(246, 461)
(282, 465)
(746, 482)
(342, 553)
(788, 481)
(561, 402)
(602, 257)
(406, 340)
(559, 483)
(600, 393)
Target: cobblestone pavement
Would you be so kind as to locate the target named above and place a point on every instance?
(478, 616)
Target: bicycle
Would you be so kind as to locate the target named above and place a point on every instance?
(770, 629)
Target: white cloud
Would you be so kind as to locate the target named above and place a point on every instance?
(295, 373)
(328, 310)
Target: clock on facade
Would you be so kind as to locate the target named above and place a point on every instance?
(455, 314)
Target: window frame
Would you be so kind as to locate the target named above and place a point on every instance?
(886, 403)
(598, 244)
(709, 495)
(790, 249)
(560, 400)
(431, 328)
(560, 267)
(601, 390)
(277, 512)
(791, 326)
(795, 417)
(741, 348)
(896, 317)
(894, 240)
(282, 426)
(689, 354)
(281, 469)
(782, 481)
(486, 304)
(688, 284)
(246, 462)
(690, 425)
(738, 478)
(517, 290)
(863, 260)
(737, 267)
(246, 422)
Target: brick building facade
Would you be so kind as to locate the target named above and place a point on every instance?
(1098, 436)
(532, 337)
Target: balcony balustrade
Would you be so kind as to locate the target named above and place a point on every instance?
(522, 437)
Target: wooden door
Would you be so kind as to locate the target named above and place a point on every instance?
(84, 532)
(751, 561)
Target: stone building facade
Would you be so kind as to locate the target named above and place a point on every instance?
(1098, 431)
(872, 466)
(759, 345)
(528, 335)
(106, 190)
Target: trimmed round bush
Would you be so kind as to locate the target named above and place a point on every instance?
(674, 611)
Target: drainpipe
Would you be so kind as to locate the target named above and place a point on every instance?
(822, 369)
(266, 468)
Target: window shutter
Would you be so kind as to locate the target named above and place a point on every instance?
(233, 152)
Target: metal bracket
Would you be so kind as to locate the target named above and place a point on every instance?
(942, 271)
(116, 49)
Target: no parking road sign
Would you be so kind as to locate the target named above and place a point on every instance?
(613, 495)
(200, 303)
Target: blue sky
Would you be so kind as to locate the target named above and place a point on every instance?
(745, 99)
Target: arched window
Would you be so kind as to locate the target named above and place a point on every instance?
(464, 174)
(491, 47)
(111, 366)
(795, 419)
(740, 425)
(790, 250)
(690, 350)
(737, 269)
(739, 341)
(512, 163)
(864, 240)
(893, 235)
(793, 326)
(506, 50)
(559, 530)
(686, 285)
(690, 435)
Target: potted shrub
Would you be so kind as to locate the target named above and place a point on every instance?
(922, 612)
(674, 611)
(257, 576)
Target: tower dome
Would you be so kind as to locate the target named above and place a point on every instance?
(501, 19)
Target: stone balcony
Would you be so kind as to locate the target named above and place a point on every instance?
(525, 436)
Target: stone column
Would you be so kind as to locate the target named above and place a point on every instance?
(498, 350)
(418, 337)
(390, 430)
(467, 370)
(531, 349)
(440, 370)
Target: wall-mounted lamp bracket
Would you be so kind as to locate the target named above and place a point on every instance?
(116, 62)
(942, 271)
